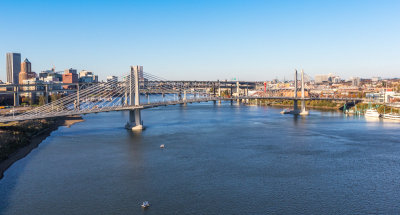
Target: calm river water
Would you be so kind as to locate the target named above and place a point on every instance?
(218, 159)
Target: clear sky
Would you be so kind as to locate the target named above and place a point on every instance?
(205, 39)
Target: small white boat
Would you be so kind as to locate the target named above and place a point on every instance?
(162, 146)
(303, 113)
(372, 113)
(391, 116)
(145, 204)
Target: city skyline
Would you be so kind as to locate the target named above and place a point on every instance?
(207, 40)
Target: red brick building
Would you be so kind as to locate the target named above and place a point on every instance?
(70, 76)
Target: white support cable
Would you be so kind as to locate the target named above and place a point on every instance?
(64, 101)
(110, 94)
(106, 94)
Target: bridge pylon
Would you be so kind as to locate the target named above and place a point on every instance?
(135, 122)
(303, 102)
(295, 106)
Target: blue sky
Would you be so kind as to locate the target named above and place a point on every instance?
(204, 39)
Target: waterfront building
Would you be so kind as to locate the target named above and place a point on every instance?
(13, 67)
(87, 77)
(70, 76)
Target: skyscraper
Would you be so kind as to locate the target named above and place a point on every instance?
(26, 71)
(13, 67)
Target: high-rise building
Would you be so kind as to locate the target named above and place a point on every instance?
(26, 71)
(13, 67)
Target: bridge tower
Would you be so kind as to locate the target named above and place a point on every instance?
(303, 102)
(238, 91)
(295, 107)
(135, 122)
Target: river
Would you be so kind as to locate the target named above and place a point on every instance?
(218, 159)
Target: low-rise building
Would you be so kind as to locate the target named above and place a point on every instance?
(87, 77)
(70, 76)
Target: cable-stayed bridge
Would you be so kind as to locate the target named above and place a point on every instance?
(139, 90)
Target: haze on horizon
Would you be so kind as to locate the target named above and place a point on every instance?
(205, 40)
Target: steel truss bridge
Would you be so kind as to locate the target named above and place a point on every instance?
(139, 90)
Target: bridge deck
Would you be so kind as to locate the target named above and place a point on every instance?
(41, 115)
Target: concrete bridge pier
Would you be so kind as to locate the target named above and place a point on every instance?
(148, 98)
(135, 122)
(238, 91)
(180, 95)
(184, 97)
(246, 93)
(219, 89)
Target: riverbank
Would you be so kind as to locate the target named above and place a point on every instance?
(307, 106)
(323, 105)
(18, 139)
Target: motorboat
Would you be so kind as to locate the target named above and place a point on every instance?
(162, 146)
(145, 204)
(391, 116)
(372, 113)
(303, 113)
